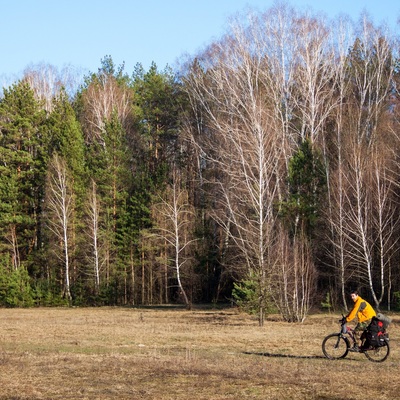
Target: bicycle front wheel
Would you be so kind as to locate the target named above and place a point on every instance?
(378, 354)
(335, 346)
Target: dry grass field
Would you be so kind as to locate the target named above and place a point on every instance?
(126, 353)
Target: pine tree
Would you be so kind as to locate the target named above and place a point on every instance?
(24, 147)
(307, 183)
(109, 164)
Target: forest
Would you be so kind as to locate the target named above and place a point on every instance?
(263, 172)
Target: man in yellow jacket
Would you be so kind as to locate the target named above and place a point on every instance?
(364, 313)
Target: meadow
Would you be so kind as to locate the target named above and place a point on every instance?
(171, 353)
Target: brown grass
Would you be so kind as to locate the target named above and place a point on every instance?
(123, 353)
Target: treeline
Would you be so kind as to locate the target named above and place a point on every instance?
(265, 172)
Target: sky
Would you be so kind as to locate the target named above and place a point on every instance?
(80, 33)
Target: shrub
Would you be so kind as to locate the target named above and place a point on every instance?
(247, 294)
(15, 288)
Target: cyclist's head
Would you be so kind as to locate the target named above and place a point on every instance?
(354, 294)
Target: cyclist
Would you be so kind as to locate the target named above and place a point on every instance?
(364, 313)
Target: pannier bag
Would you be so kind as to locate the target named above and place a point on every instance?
(375, 333)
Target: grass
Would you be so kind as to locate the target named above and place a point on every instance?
(125, 353)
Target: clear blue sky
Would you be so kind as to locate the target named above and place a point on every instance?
(81, 32)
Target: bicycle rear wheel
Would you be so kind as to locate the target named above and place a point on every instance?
(335, 346)
(378, 354)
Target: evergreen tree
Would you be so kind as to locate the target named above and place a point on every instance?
(159, 105)
(68, 141)
(109, 165)
(159, 102)
(68, 144)
(307, 183)
(24, 149)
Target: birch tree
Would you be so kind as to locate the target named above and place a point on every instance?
(293, 276)
(105, 96)
(60, 207)
(280, 43)
(358, 182)
(370, 71)
(93, 232)
(175, 227)
(385, 222)
(335, 158)
(371, 68)
(240, 146)
(47, 82)
(314, 75)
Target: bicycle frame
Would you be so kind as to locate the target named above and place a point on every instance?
(350, 332)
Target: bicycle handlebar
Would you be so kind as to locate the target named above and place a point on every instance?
(344, 328)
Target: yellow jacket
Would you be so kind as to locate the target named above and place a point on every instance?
(362, 310)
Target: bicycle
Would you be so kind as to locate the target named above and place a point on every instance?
(337, 345)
